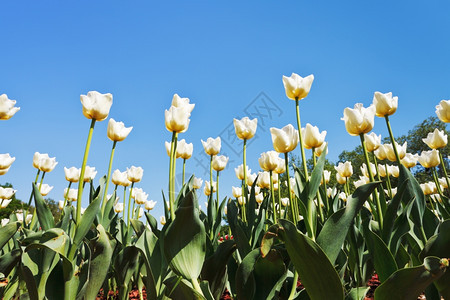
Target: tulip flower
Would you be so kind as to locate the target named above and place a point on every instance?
(177, 101)
(207, 188)
(240, 171)
(43, 162)
(394, 192)
(385, 104)
(168, 147)
(443, 183)
(149, 205)
(362, 181)
(281, 166)
(118, 208)
(96, 106)
(5, 222)
(312, 137)
(184, 150)
(436, 139)
(162, 220)
(212, 146)
(443, 111)
(428, 188)
(297, 87)
(365, 172)
(263, 180)
(381, 152)
(6, 161)
(342, 196)
(245, 128)
(7, 109)
(395, 171)
(219, 162)
(89, 174)
(340, 179)
(134, 174)
(4, 171)
(344, 169)
(359, 120)
(259, 198)
(318, 151)
(251, 179)
(436, 198)
(120, 178)
(373, 141)
(331, 192)
(236, 191)
(285, 201)
(285, 139)
(117, 131)
(429, 159)
(241, 200)
(197, 184)
(177, 119)
(140, 197)
(6, 193)
(61, 204)
(269, 160)
(257, 189)
(410, 160)
(4, 203)
(382, 170)
(390, 152)
(326, 175)
(71, 194)
(45, 189)
(72, 174)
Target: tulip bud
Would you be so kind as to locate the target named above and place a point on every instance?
(359, 119)
(385, 104)
(162, 220)
(241, 200)
(281, 166)
(318, 151)
(45, 189)
(275, 178)
(312, 138)
(365, 172)
(177, 119)
(373, 141)
(394, 170)
(95, 105)
(268, 161)
(72, 195)
(207, 188)
(285, 201)
(401, 150)
(4, 203)
(331, 192)
(219, 162)
(6, 193)
(297, 87)
(6, 161)
(118, 208)
(327, 175)
(120, 178)
(443, 182)
(340, 179)
(236, 191)
(149, 205)
(362, 181)
(240, 171)
(140, 197)
(72, 174)
(212, 146)
(263, 180)
(344, 169)
(251, 179)
(285, 139)
(7, 109)
(436, 139)
(168, 146)
(342, 196)
(382, 170)
(61, 204)
(381, 152)
(429, 159)
(245, 128)
(443, 111)
(428, 188)
(259, 198)
(89, 174)
(43, 162)
(410, 160)
(5, 222)
(134, 174)
(177, 101)
(117, 131)
(184, 150)
(197, 183)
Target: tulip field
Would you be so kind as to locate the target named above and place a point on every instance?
(284, 234)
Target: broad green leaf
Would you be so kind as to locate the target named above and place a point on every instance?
(382, 258)
(138, 227)
(184, 241)
(357, 293)
(317, 273)
(391, 212)
(245, 280)
(9, 260)
(87, 220)
(267, 271)
(335, 229)
(152, 222)
(7, 232)
(44, 214)
(409, 283)
(146, 245)
(240, 237)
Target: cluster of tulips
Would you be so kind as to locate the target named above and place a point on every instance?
(332, 239)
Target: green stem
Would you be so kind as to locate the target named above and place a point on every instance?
(294, 286)
(83, 169)
(272, 194)
(217, 188)
(42, 180)
(291, 202)
(279, 197)
(172, 176)
(305, 168)
(394, 146)
(109, 176)
(197, 287)
(245, 171)
(445, 169)
(369, 170)
(436, 181)
(211, 190)
(129, 205)
(184, 168)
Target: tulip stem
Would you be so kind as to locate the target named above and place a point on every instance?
(291, 202)
(83, 169)
(279, 199)
(369, 170)
(197, 287)
(172, 176)
(319, 198)
(394, 146)
(272, 194)
(31, 195)
(245, 171)
(436, 181)
(129, 205)
(305, 167)
(294, 286)
(444, 168)
(124, 201)
(217, 189)
(211, 190)
(184, 168)
(109, 176)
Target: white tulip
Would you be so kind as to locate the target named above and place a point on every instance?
(359, 120)
(318, 151)
(45, 189)
(344, 169)
(245, 128)
(240, 171)
(7, 193)
(401, 150)
(259, 198)
(162, 220)
(436, 139)
(212, 146)
(95, 105)
(443, 111)
(429, 159)
(385, 104)
(312, 137)
(149, 205)
(207, 188)
(297, 87)
(219, 162)
(117, 131)
(373, 141)
(7, 109)
(410, 160)
(89, 174)
(61, 204)
(4, 202)
(72, 195)
(177, 119)
(72, 174)
(236, 191)
(6, 161)
(285, 139)
(134, 174)
(198, 182)
(263, 180)
(120, 178)
(118, 208)
(184, 150)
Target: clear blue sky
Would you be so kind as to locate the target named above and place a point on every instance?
(221, 55)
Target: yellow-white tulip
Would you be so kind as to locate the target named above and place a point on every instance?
(394, 171)
(241, 200)
(117, 131)
(410, 160)
(259, 198)
(327, 175)
(340, 179)
(429, 159)
(285, 139)
(134, 174)
(6, 161)
(198, 182)
(263, 180)
(43, 162)
(140, 197)
(149, 205)
(240, 171)
(344, 169)
(118, 208)
(120, 178)
(184, 150)
(297, 87)
(257, 189)
(89, 174)
(342, 196)
(443, 111)
(281, 166)
(7, 109)
(177, 101)
(331, 192)
(95, 105)
(312, 137)
(318, 151)
(168, 145)
(72, 195)
(443, 182)
(212, 146)
(285, 201)
(45, 189)
(362, 181)
(359, 119)
(382, 170)
(162, 220)
(373, 141)
(6, 193)
(428, 188)
(436, 139)
(219, 162)
(401, 150)
(365, 172)
(177, 118)
(236, 191)
(5, 222)
(251, 179)
(245, 128)
(275, 178)
(72, 174)
(207, 188)
(385, 104)
(381, 152)
(269, 160)
(4, 203)
(4, 171)
(61, 204)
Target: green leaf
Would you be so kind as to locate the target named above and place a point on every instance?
(391, 212)
(7, 232)
(382, 258)
(185, 239)
(317, 273)
(87, 220)
(267, 271)
(409, 283)
(146, 245)
(335, 229)
(245, 281)
(9, 260)
(100, 262)
(44, 213)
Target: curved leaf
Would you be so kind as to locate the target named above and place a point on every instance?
(7, 232)
(245, 281)
(44, 214)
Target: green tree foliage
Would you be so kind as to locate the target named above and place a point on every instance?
(13, 206)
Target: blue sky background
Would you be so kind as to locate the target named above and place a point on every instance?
(221, 55)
